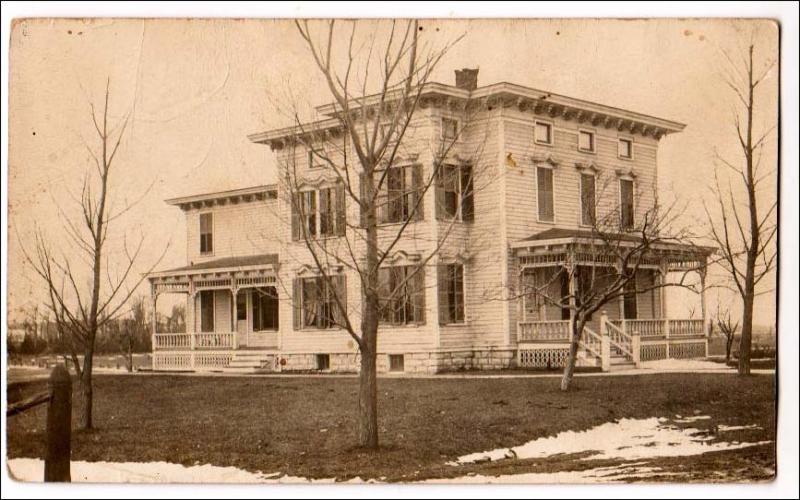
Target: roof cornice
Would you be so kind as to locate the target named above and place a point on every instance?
(234, 196)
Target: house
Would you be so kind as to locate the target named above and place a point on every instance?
(522, 194)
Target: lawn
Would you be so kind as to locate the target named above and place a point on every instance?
(304, 426)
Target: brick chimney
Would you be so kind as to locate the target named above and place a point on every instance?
(467, 78)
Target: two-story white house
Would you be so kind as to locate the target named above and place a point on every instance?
(529, 159)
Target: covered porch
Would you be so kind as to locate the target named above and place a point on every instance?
(231, 304)
(636, 326)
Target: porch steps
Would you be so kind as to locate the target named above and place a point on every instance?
(620, 363)
(251, 362)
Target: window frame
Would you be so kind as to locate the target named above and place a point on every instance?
(550, 130)
(443, 136)
(462, 191)
(622, 225)
(327, 292)
(393, 365)
(413, 299)
(310, 156)
(593, 135)
(409, 195)
(336, 220)
(552, 190)
(255, 297)
(629, 141)
(450, 279)
(210, 233)
(593, 176)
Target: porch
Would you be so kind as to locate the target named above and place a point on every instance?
(559, 268)
(231, 308)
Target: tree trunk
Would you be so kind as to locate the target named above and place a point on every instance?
(745, 342)
(728, 347)
(85, 389)
(569, 369)
(368, 401)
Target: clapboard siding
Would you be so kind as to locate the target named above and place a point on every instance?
(242, 229)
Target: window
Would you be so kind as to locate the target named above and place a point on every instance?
(399, 196)
(241, 307)
(629, 305)
(402, 293)
(206, 233)
(588, 208)
(455, 197)
(319, 213)
(544, 181)
(323, 361)
(314, 160)
(543, 133)
(451, 293)
(625, 148)
(626, 203)
(315, 302)
(396, 363)
(264, 306)
(449, 130)
(207, 311)
(586, 141)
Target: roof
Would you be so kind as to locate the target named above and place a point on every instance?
(225, 263)
(499, 90)
(257, 192)
(554, 234)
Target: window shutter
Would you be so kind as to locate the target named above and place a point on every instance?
(419, 196)
(297, 306)
(296, 201)
(341, 215)
(340, 288)
(467, 194)
(441, 288)
(362, 190)
(439, 183)
(419, 295)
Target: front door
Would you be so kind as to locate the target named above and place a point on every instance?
(242, 325)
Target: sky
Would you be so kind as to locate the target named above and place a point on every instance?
(195, 89)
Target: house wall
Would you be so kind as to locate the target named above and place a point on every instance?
(246, 228)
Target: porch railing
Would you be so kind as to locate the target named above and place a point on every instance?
(661, 327)
(191, 341)
(543, 331)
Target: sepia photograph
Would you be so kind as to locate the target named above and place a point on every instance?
(364, 249)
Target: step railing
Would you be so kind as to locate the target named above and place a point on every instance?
(627, 343)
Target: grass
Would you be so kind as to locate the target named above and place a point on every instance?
(305, 426)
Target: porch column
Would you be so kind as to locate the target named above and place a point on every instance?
(154, 316)
(234, 322)
(703, 311)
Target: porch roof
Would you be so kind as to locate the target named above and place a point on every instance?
(558, 236)
(223, 264)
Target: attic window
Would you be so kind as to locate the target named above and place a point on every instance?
(543, 133)
(625, 148)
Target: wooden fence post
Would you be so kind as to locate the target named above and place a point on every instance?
(59, 427)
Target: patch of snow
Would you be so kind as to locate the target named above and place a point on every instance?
(615, 474)
(688, 420)
(684, 365)
(728, 428)
(32, 470)
(625, 439)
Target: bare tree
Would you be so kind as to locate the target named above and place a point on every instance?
(605, 266)
(746, 241)
(727, 328)
(380, 183)
(80, 312)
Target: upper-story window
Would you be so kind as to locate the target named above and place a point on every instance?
(455, 197)
(625, 148)
(626, 203)
(402, 294)
(586, 141)
(543, 132)
(314, 159)
(399, 196)
(588, 207)
(449, 129)
(319, 213)
(206, 233)
(544, 182)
